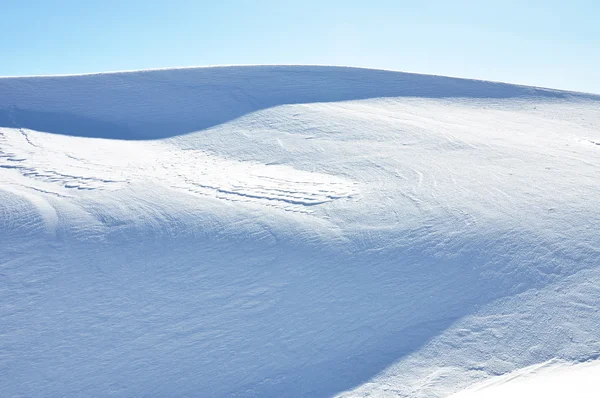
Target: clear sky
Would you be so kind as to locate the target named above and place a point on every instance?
(536, 42)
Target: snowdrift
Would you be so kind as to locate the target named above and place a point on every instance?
(292, 231)
(165, 103)
(549, 380)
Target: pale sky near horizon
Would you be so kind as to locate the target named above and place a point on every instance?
(543, 43)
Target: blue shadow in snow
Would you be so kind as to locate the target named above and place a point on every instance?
(166, 103)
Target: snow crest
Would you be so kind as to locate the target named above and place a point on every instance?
(292, 231)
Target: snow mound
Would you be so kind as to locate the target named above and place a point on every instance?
(165, 103)
(292, 231)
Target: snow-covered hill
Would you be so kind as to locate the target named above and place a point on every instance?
(292, 231)
(552, 379)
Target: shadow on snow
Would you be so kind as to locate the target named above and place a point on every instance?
(166, 103)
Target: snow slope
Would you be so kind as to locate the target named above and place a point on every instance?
(549, 380)
(292, 231)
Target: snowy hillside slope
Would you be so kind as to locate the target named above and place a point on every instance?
(549, 380)
(292, 231)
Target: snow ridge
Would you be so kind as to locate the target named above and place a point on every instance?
(292, 231)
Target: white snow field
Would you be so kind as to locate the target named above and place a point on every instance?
(549, 380)
(292, 231)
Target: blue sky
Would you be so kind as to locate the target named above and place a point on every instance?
(536, 42)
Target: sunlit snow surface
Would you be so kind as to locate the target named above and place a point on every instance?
(292, 231)
(547, 380)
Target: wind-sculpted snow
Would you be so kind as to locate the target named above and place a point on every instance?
(166, 103)
(316, 231)
(551, 379)
(190, 172)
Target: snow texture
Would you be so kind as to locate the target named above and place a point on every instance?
(292, 231)
(552, 379)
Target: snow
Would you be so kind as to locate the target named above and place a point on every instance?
(292, 231)
(546, 380)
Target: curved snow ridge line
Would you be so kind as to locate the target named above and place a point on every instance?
(67, 181)
(43, 207)
(92, 106)
(290, 200)
(279, 186)
(38, 161)
(13, 119)
(549, 379)
(68, 162)
(285, 194)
